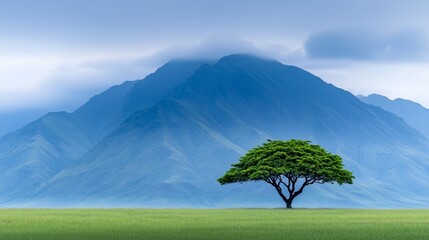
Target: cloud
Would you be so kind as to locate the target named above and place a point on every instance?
(213, 47)
(392, 79)
(74, 83)
(409, 44)
(61, 84)
(70, 85)
(64, 84)
(218, 46)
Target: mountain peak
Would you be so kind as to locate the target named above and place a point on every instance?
(377, 96)
(244, 58)
(166, 139)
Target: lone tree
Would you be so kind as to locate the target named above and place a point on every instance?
(289, 166)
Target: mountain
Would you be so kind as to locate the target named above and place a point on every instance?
(105, 112)
(35, 153)
(13, 120)
(170, 153)
(413, 113)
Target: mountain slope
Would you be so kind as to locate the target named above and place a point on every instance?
(105, 112)
(171, 154)
(13, 120)
(33, 154)
(413, 113)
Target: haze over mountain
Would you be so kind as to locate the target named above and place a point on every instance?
(163, 141)
(413, 113)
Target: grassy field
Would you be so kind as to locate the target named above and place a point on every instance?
(314, 224)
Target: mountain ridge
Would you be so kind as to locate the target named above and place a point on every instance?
(171, 153)
(213, 103)
(413, 113)
(96, 118)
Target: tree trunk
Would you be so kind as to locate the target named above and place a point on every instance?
(289, 203)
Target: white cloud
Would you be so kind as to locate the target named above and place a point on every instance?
(37, 82)
(394, 80)
(30, 82)
(406, 44)
(20, 81)
(65, 83)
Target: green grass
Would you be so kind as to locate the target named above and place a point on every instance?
(314, 224)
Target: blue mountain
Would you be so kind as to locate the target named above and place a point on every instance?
(164, 143)
(413, 113)
(13, 120)
(39, 150)
(105, 112)
(35, 153)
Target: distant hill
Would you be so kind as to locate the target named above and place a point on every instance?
(413, 113)
(163, 141)
(39, 150)
(13, 120)
(35, 153)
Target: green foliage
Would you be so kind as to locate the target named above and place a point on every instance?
(210, 224)
(284, 164)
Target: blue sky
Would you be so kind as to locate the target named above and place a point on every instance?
(55, 54)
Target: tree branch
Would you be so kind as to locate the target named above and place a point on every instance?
(287, 185)
(299, 190)
(279, 191)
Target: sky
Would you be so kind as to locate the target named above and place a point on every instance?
(55, 54)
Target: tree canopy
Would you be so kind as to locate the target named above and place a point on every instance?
(289, 166)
